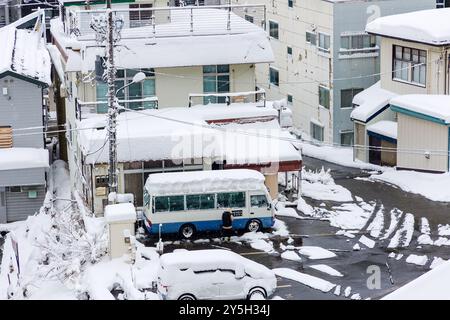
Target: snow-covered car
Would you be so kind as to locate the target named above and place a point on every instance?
(212, 274)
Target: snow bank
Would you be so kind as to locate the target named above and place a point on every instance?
(320, 186)
(349, 216)
(430, 185)
(418, 260)
(315, 253)
(291, 255)
(310, 281)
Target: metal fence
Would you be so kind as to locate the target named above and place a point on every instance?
(172, 21)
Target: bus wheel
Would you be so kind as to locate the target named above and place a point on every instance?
(254, 225)
(187, 231)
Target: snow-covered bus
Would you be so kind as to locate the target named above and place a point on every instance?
(190, 202)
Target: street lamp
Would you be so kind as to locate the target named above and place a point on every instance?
(138, 78)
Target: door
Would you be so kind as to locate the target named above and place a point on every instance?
(375, 150)
(259, 206)
(2, 205)
(231, 286)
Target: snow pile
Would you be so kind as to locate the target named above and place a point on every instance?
(424, 238)
(291, 255)
(281, 210)
(416, 259)
(315, 253)
(430, 185)
(310, 281)
(367, 242)
(120, 212)
(349, 216)
(444, 230)
(320, 185)
(432, 285)
(305, 208)
(327, 269)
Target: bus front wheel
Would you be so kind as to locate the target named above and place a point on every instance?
(187, 231)
(254, 225)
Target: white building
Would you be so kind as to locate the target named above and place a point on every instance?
(412, 96)
(323, 58)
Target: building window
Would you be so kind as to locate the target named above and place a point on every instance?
(6, 138)
(273, 29)
(324, 97)
(357, 43)
(346, 138)
(442, 4)
(289, 53)
(410, 65)
(216, 79)
(347, 96)
(249, 18)
(290, 3)
(290, 100)
(141, 17)
(135, 91)
(274, 76)
(311, 38)
(324, 42)
(316, 132)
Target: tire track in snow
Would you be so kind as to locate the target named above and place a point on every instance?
(396, 215)
(403, 235)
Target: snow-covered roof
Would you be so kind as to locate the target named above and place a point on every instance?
(370, 101)
(204, 181)
(23, 158)
(120, 212)
(23, 51)
(426, 26)
(198, 260)
(183, 133)
(436, 106)
(174, 45)
(217, 111)
(385, 128)
(432, 285)
(55, 55)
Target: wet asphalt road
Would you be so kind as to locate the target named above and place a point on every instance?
(352, 264)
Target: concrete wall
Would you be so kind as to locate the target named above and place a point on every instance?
(422, 136)
(21, 107)
(435, 76)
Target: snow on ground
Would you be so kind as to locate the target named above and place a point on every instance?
(437, 261)
(367, 242)
(320, 185)
(291, 255)
(444, 230)
(395, 218)
(304, 208)
(315, 253)
(430, 185)
(281, 210)
(337, 290)
(432, 285)
(347, 291)
(403, 235)
(327, 269)
(416, 259)
(310, 281)
(350, 216)
(377, 223)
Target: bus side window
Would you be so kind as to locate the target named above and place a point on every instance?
(258, 201)
(231, 200)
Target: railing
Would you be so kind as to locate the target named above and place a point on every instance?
(232, 97)
(172, 21)
(84, 108)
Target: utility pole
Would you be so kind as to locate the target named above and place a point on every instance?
(112, 104)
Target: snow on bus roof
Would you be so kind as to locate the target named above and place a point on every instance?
(210, 259)
(204, 181)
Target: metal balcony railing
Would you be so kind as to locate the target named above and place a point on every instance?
(172, 21)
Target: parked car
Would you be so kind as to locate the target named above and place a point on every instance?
(212, 274)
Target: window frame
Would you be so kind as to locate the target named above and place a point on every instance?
(351, 106)
(273, 25)
(312, 35)
(409, 63)
(343, 132)
(143, 8)
(277, 72)
(217, 74)
(321, 86)
(326, 36)
(321, 128)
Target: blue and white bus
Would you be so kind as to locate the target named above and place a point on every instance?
(190, 202)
